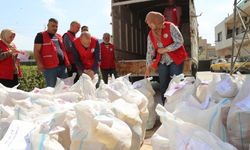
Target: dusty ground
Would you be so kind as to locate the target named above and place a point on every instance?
(147, 142)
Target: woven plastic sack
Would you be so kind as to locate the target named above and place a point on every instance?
(209, 119)
(145, 87)
(97, 128)
(238, 121)
(177, 134)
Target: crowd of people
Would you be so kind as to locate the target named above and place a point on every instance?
(61, 56)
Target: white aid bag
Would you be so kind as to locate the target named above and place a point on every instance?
(130, 114)
(6, 117)
(227, 88)
(178, 92)
(68, 97)
(15, 137)
(106, 92)
(96, 128)
(68, 81)
(238, 121)
(85, 87)
(175, 134)
(43, 141)
(131, 95)
(209, 119)
(145, 87)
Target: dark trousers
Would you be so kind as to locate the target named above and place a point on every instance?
(10, 83)
(106, 73)
(73, 70)
(165, 74)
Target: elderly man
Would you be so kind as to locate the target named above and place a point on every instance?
(107, 58)
(50, 54)
(86, 54)
(68, 39)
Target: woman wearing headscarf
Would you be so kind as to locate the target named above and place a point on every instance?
(9, 65)
(165, 42)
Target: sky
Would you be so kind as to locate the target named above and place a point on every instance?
(28, 17)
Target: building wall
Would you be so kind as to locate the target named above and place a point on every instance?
(223, 45)
(206, 50)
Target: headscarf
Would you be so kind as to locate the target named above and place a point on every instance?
(157, 19)
(6, 33)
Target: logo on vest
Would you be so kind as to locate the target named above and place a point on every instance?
(92, 50)
(165, 35)
(111, 49)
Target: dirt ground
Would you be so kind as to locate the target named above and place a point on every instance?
(147, 141)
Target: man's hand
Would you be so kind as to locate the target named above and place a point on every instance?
(147, 72)
(40, 67)
(90, 73)
(69, 67)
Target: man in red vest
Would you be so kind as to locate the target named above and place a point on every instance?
(50, 54)
(173, 13)
(166, 43)
(68, 39)
(86, 54)
(107, 58)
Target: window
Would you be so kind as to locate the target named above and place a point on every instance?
(219, 36)
(229, 33)
(237, 31)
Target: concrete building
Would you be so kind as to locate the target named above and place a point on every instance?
(223, 32)
(206, 50)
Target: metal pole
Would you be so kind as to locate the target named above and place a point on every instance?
(233, 39)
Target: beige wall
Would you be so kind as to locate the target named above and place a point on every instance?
(224, 46)
(206, 50)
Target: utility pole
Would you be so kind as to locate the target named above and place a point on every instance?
(239, 12)
(233, 38)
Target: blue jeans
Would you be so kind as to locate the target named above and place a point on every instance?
(52, 74)
(165, 74)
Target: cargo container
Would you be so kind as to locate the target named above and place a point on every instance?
(130, 33)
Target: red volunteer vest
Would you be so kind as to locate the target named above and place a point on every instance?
(178, 55)
(107, 56)
(69, 53)
(7, 66)
(49, 52)
(86, 55)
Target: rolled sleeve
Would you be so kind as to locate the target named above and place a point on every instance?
(177, 38)
(4, 55)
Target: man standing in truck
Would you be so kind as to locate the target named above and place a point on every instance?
(107, 58)
(166, 43)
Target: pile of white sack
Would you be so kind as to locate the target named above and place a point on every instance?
(77, 116)
(205, 115)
